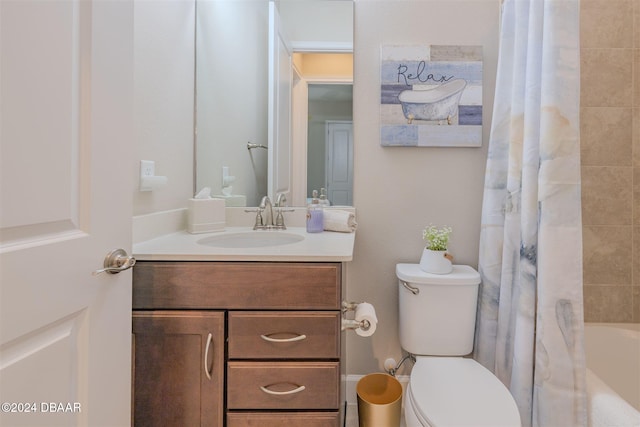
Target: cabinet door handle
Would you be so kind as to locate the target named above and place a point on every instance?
(293, 339)
(283, 393)
(208, 370)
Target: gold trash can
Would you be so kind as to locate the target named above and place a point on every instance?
(379, 401)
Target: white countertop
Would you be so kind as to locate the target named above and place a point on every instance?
(183, 246)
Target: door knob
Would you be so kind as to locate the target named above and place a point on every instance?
(116, 261)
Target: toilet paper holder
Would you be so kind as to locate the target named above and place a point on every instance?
(353, 323)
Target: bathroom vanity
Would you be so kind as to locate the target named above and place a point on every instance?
(239, 336)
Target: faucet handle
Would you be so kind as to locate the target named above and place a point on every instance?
(259, 221)
(280, 218)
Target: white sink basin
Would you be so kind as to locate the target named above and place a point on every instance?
(251, 239)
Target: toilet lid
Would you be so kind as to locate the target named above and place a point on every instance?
(456, 391)
(460, 275)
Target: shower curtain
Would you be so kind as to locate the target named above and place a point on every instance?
(530, 317)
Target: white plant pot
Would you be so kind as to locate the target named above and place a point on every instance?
(435, 262)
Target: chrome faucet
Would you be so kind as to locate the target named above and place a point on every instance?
(267, 208)
(264, 214)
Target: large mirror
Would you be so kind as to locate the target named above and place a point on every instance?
(274, 99)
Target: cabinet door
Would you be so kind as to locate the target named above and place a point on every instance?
(178, 368)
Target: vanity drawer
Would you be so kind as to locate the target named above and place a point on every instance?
(283, 385)
(284, 335)
(237, 285)
(283, 419)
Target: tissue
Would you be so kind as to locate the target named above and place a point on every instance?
(205, 193)
(366, 311)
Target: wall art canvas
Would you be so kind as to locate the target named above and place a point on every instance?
(431, 96)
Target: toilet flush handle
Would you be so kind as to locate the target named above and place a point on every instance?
(413, 290)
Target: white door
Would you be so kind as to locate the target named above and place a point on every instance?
(339, 166)
(65, 202)
(279, 120)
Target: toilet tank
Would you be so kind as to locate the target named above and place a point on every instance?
(437, 311)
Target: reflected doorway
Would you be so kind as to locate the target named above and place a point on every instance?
(329, 141)
(322, 93)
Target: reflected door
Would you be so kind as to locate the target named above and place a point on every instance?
(339, 166)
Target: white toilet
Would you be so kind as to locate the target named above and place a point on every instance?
(437, 324)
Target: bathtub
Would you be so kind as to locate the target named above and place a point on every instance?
(432, 103)
(613, 374)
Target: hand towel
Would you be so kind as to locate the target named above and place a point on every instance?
(339, 220)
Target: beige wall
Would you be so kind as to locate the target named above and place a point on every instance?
(610, 150)
(399, 190)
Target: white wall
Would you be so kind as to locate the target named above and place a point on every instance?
(307, 21)
(163, 100)
(399, 190)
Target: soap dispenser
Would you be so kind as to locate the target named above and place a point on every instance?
(315, 215)
(323, 198)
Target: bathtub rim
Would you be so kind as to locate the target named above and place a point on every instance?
(628, 326)
(603, 369)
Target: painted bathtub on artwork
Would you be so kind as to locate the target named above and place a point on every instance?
(613, 374)
(434, 103)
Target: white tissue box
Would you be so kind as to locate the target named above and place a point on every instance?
(205, 215)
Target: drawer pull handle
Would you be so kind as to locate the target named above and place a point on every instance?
(283, 393)
(293, 339)
(207, 370)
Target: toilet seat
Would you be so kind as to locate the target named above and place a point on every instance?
(456, 391)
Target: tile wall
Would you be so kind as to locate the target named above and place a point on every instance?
(610, 157)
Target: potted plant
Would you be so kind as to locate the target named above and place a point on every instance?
(435, 258)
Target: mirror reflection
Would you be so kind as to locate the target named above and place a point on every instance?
(274, 99)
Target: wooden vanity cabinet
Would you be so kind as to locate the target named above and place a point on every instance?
(178, 368)
(282, 335)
